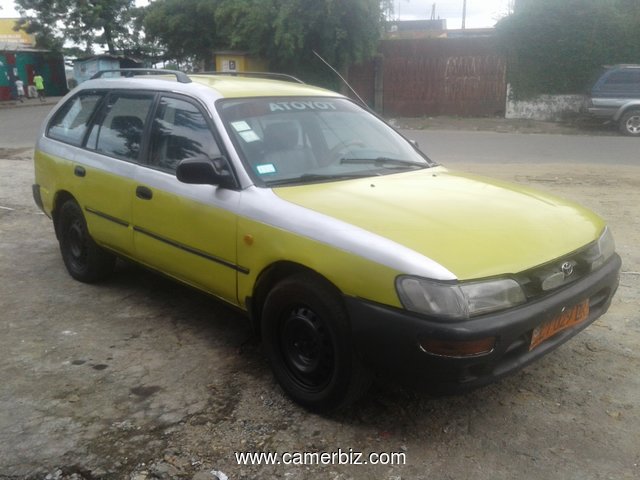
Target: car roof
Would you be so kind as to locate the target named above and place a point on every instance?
(235, 87)
(622, 66)
(220, 85)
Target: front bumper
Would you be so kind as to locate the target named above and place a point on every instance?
(388, 339)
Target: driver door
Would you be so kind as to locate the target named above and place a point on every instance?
(185, 231)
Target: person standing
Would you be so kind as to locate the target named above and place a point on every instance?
(20, 89)
(39, 83)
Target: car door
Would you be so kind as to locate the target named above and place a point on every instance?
(186, 231)
(105, 170)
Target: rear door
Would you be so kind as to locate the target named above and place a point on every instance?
(186, 231)
(107, 170)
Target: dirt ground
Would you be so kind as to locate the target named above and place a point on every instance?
(141, 379)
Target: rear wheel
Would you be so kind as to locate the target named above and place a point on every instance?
(307, 338)
(630, 123)
(84, 259)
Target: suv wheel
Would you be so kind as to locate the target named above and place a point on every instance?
(630, 123)
(84, 259)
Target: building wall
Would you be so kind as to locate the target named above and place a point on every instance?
(11, 39)
(239, 62)
(24, 64)
(84, 70)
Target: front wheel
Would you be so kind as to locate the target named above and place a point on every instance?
(307, 338)
(84, 259)
(630, 123)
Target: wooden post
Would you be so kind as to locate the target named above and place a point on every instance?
(378, 84)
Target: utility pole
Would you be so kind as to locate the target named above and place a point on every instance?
(464, 13)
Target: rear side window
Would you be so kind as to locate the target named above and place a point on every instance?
(179, 130)
(623, 81)
(118, 131)
(70, 122)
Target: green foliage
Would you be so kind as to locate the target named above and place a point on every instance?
(285, 32)
(558, 47)
(83, 22)
(185, 29)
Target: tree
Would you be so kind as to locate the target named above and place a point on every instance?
(86, 23)
(287, 32)
(186, 29)
(558, 47)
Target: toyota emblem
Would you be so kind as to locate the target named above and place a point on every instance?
(567, 269)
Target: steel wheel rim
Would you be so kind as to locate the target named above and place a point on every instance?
(307, 348)
(77, 246)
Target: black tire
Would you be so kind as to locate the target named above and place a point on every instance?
(630, 123)
(307, 339)
(84, 259)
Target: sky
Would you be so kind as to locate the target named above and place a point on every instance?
(480, 13)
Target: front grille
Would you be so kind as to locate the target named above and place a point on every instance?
(547, 278)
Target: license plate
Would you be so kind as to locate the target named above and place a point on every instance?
(562, 321)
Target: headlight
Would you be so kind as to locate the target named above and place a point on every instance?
(458, 300)
(602, 250)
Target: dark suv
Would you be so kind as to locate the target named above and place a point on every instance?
(616, 96)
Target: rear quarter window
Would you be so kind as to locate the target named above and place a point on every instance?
(70, 123)
(623, 81)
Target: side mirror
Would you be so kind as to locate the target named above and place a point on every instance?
(202, 170)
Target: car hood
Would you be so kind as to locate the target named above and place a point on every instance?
(475, 227)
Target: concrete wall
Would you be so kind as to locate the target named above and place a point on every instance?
(551, 108)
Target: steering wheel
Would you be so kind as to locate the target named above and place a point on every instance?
(337, 152)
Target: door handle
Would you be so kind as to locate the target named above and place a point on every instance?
(79, 171)
(144, 193)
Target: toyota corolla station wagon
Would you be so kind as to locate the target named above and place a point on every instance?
(351, 251)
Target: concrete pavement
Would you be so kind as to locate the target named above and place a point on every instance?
(29, 102)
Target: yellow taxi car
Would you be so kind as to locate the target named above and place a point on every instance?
(353, 253)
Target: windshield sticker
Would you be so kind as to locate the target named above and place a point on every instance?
(301, 105)
(266, 168)
(241, 126)
(249, 136)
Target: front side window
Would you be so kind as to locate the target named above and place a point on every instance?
(179, 130)
(70, 122)
(119, 131)
(301, 140)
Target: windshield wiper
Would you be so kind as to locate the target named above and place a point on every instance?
(383, 161)
(315, 177)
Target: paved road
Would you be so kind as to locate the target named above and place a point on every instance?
(20, 127)
(489, 147)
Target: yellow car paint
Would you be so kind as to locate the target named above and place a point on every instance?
(98, 192)
(241, 87)
(271, 245)
(474, 227)
(202, 251)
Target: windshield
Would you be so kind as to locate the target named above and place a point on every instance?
(292, 140)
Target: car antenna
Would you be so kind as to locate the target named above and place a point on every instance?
(343, 79)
